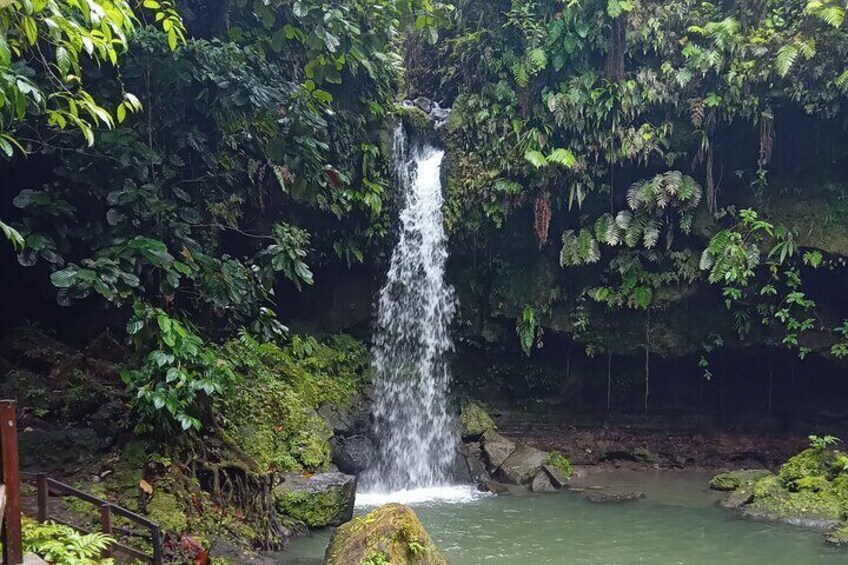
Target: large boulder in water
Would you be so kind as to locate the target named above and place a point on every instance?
(390, 534)
(496, 448)
(522, 465)
(352, 455)
(323, 499)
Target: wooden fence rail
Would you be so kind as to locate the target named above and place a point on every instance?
(47, 486)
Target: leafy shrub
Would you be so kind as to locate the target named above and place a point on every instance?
(561, 462)
(178, 371)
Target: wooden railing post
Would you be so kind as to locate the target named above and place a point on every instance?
(43, 493)
(106, 525)
(156, 536)
(12, 544)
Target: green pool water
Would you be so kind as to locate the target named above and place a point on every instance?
(677, 523)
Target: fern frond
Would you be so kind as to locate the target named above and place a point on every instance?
(536, 158)
(786, 57)
(538, 59)
(623, 219)
(562, 157)
(651, 233)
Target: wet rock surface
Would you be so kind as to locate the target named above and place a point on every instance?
(521, 465)
(352, 455)
(320, 500)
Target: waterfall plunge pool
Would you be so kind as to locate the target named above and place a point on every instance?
(678, 523)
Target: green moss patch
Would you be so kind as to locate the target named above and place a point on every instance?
(737, 479)
(272, 412)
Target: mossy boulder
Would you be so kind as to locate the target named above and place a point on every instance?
(273, 412)
(812, 462)
(773, 501)
(737, 479)
(474, 421)
(390, 534)
(321, 500)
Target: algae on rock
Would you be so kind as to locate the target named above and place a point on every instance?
(474, 421)
(391, 532)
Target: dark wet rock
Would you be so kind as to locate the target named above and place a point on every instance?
(473, 456)
(459, 471)
(521, 465)
(352, 455)
(423, 104)
(423, 114)
(493, 487)
(600, 497)
(392, 532)
(737, 479)
(557, 477)
(542, 482)
(350, 420)
(496, 448)
(323, 499)
(51, 449)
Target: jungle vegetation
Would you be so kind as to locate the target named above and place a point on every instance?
(184, 163)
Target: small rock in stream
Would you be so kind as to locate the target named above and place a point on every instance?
(614, 497)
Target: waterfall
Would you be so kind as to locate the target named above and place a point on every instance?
(415, 432)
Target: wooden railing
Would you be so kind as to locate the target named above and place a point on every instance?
(47, 486)
(13, 551)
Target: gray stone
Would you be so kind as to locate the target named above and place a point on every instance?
(496, 449)
(521, 465)
(352, 455)
(614, 497)
(424, 104)
(542, 483)
(558, 478)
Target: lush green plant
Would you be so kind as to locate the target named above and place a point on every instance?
(823, 442)
(561, 462)
(179, 374)
(63, 545)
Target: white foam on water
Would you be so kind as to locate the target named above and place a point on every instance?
(450, 494)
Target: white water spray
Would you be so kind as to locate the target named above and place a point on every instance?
(415, 433)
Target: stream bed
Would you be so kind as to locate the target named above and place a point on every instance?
(677, 523)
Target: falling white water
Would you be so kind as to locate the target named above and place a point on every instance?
(415, 433)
